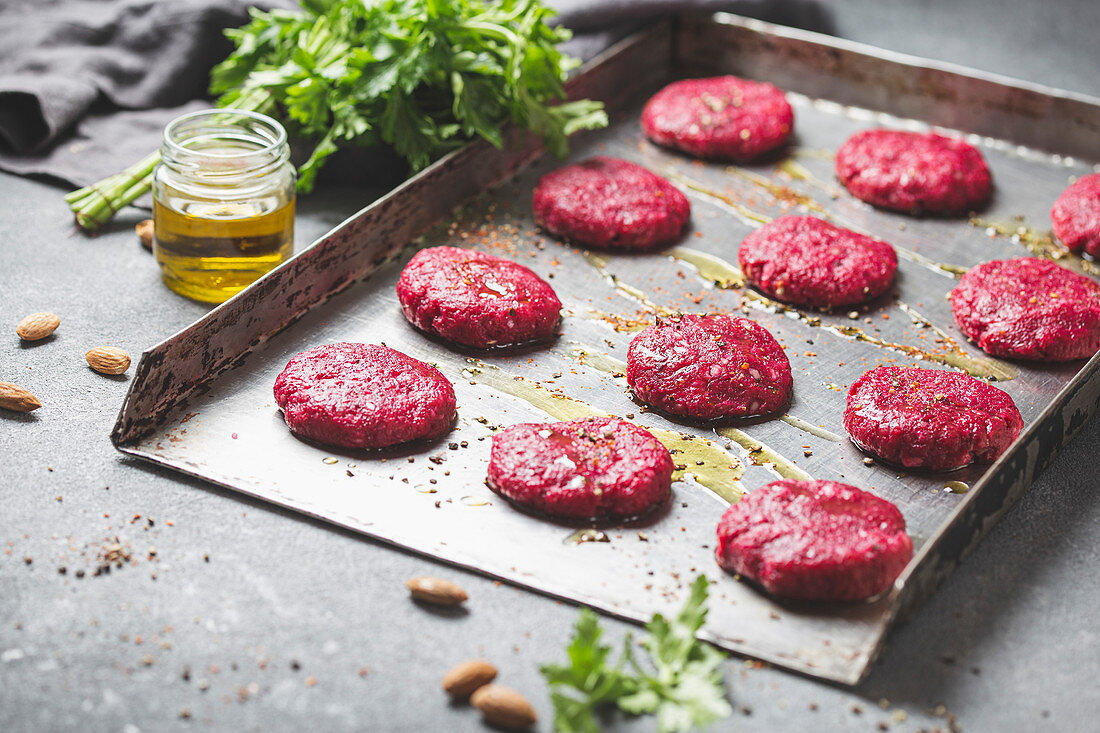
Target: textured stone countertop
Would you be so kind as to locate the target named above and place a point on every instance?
(239, 616)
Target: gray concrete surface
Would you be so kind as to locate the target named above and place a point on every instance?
(250, 618)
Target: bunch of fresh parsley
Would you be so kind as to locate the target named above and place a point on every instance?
(422, 76)
(681, 681)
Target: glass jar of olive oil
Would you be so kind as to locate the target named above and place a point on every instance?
(223, 202)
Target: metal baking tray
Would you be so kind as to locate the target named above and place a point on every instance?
(201, 401)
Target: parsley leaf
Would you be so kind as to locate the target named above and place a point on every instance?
(589, 674)
(681, 681)
(420, 76)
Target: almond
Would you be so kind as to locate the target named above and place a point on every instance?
(108, 360)
(462, 680)
(37, 326)
(503, 707)
(144, 231)
(15, 398)
(434, 590)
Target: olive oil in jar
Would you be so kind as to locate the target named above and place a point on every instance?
(223, 203)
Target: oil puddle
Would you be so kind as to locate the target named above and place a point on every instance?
(956, 487)
(1039, 244)
(470, 500)
(810, 428)
(723, 274)
(708, 463)
(600, 361)
(742, 212)
(940, 268)
(762, 455)
(795, 170)
(586, 535)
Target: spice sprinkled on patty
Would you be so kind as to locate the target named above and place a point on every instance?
(477, 300)
(1075, 215)
(709, 367)
(814, 540)
(1028, 308)
(913, 172)
(610, 204)
(930, 418)
(808, 261)
(720, 118)
(364, 396)
(596, 468)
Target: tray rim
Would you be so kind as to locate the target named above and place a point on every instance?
(897, 57)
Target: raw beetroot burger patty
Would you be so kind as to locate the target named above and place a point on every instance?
(914, 172)
(709, 367)
(1028, 308)
(610, 203)
(814, 540)
(593, 468)
(808, 261)
(722, 117)
(1075, 215)
(363, 396)
(475, 299)
(929, 418)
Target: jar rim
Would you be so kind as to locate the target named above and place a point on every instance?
(275, 140)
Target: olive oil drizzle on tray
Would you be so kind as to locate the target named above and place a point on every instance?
(708, 463)
(1039, 244)
(727, 276)
(759, 453)
(812, 429)
(782, 193)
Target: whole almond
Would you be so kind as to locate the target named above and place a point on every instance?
(462, 680)
(37, 326)
(434, 590)
(15, 398)
(503, 707)
(108, 360)
(144, 231)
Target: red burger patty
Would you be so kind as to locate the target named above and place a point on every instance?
(593, 468)
(814, 540)
(808, 261)
(475, 299)
(929, 418)
(1076, 215)
(610, 203)
(363, 396)
(722, 117)
(709, 367)
(914, 172)
(1028, 308)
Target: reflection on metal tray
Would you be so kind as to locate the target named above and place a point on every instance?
(201, 401)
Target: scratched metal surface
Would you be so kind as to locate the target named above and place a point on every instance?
(433, 499)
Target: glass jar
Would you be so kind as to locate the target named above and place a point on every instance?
(223, 202)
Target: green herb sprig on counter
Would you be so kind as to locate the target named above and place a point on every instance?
(680, 681)
(423, 77)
